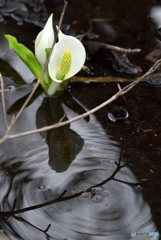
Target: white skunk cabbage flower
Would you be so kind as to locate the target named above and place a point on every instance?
(67, 59)
(44, 40)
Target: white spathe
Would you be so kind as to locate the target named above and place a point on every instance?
(44, 40)
(78, 55)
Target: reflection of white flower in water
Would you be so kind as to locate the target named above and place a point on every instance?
(67, 58)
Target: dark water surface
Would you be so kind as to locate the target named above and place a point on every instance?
(96, 179)
(31, 175)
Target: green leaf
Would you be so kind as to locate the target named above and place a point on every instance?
(86, 69)
(64, 84)
(48, 50)
(47, 77)
(27, 57)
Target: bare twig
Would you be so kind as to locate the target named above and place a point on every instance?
(109, 79)
(108, 46)
(114, 97)
(106, 79)
(63, 198)
(61, 119)
(32, 225)
(3, 102)
(119, 49)
(7, 90)
(119, 88)
(91, 26)
(114, 48)
(62, 15)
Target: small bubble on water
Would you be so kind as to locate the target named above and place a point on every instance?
(10, 88)
(85, 195)
(105, 193)
(86, 187)
(138, 188)
(74, 191)
(97, 190)
(20, 23)
(1, 18)
(43, 188)
(97, 198)
(118, 114)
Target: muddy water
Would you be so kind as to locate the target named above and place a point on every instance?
(95, 179)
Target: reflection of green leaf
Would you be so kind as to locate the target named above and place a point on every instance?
(8, 71)
(27, 57)
(18, 104)
(64, 143)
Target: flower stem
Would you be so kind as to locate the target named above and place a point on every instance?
(61, 77)
(53, 87)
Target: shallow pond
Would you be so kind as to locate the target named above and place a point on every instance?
(97, 178)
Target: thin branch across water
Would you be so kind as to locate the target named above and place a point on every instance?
(63, 198)
(63, 123)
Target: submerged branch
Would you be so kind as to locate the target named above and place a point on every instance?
(63, 198)
(108, 46)
(116, 48)
(106, 79)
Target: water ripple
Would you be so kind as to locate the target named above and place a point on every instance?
(112, 209)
